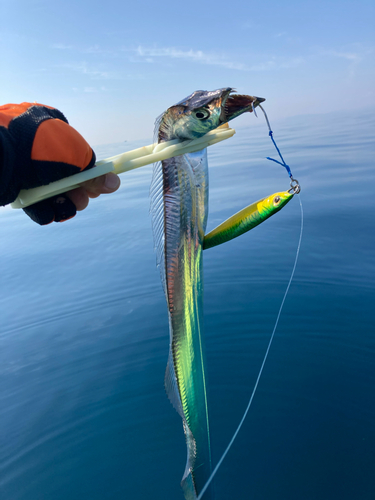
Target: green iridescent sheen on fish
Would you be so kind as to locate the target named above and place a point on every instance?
(247, 219)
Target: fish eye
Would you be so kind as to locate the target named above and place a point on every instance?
(276, 200)
(201, 114)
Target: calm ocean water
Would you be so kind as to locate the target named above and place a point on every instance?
(84, 334)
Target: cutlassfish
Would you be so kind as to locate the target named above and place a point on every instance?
(179, 208)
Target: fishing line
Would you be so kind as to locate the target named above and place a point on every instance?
(296, 190)
(262, 366)
(295, 187)
(270, 133)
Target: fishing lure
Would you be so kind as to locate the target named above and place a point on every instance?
(179, 208)
(247, 219)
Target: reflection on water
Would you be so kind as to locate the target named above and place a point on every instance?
(84, 335)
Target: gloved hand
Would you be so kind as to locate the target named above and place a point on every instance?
(38, 146)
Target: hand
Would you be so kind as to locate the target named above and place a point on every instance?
(108, 183)
(64, 206)
(37, 147)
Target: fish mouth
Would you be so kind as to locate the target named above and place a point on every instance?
(234, 105)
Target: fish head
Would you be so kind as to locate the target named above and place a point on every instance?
(273, 203)
(202, 112)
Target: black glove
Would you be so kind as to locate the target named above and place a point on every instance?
(38, 146)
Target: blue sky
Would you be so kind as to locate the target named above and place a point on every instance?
(112, 67)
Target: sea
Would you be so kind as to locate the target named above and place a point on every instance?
(84, 332)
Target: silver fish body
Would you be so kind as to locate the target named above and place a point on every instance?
(179, 205)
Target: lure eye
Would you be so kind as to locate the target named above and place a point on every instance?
(276, 200)
(201, 114)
